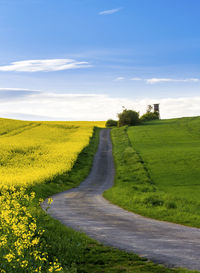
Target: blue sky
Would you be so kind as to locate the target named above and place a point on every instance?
(106, 53)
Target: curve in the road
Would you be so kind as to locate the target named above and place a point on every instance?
(84, 209)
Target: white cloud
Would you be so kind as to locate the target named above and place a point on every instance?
(44, 65)
(17, 89)
(119, 79)
(53, 106)
(159, 80)
(109, 11)
(162, 80)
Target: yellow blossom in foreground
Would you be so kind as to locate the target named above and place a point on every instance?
(50, 200)
(20, 237)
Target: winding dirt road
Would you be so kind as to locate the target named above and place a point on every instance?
(84, 209)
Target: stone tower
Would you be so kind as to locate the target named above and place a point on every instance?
(156, 109)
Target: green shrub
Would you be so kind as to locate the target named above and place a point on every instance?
(111, 123)
(128, 117)
(149, 116)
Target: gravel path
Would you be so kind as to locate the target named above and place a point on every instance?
(84, 209)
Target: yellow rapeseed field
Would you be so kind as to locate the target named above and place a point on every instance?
(31, 152)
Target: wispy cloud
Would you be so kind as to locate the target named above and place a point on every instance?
(109, 11)
(16, 89)
(159, 80)
(119, 79)
(44, 65)
(54, 106)
(163, 80)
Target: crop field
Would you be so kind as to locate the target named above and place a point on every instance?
(157, 170)
(33, 152)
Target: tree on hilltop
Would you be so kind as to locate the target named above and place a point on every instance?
(128, 117)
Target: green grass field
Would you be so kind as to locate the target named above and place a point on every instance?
(171, 152)
(158, 172)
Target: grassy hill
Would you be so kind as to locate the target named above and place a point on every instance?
(158, 173)
(171, 152)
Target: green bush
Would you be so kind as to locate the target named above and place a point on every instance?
(149, 116)
(128, 117)
(111, 123)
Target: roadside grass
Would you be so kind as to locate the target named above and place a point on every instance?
(157, 170)
(76, 250)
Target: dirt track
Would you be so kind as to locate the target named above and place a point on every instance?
(84, 209)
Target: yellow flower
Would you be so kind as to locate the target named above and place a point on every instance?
(35, 241)
(20, 235)
(50, 200)
(9, 257)
(24, 263)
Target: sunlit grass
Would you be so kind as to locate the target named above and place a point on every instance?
(157, 170)
(171, 152)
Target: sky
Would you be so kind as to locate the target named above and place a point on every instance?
(86, 59)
